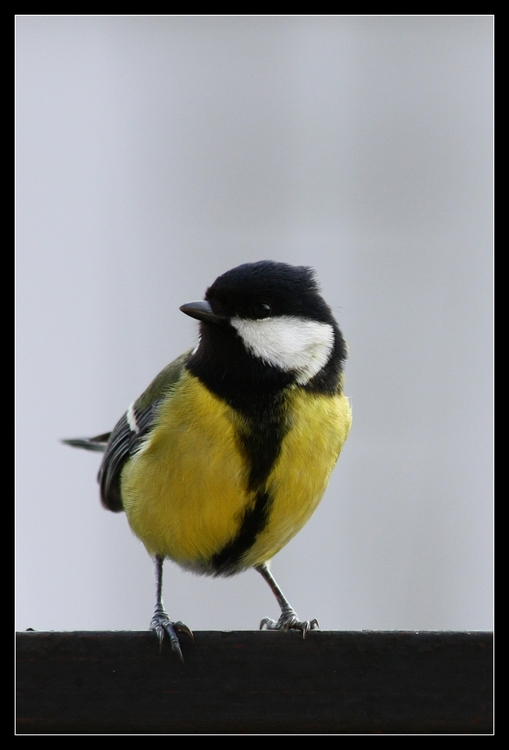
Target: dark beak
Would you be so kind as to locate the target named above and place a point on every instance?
(202, 310)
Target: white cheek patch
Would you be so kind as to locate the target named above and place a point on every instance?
(292, 344)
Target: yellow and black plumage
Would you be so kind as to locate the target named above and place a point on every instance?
(226, 455)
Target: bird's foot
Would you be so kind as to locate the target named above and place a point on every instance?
(161, 625)
(289, 621)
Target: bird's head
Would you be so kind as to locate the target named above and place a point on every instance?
(275, 313)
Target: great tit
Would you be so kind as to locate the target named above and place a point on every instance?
(226, 455)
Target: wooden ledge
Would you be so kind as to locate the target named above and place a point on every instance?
(255, 682)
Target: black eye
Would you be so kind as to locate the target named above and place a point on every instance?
(261, 310)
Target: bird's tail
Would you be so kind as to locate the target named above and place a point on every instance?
(97, 443)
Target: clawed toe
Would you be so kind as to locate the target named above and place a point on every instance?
(290, 621)
(162, 625)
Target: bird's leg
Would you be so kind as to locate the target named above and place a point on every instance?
(161, 622)
(289, 619)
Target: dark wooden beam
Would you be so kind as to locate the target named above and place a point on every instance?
(255, 682)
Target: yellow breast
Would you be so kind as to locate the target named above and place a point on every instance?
(185, 493)
(319, 428)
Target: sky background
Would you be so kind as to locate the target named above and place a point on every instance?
(156, 152)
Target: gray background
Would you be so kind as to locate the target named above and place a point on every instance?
(153, 154)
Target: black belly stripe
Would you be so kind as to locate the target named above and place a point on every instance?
(261, 452)
(226, 561)
(261, 446)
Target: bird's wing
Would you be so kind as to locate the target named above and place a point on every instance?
(131, 429)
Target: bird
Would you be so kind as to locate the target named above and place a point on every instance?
(227, 453)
